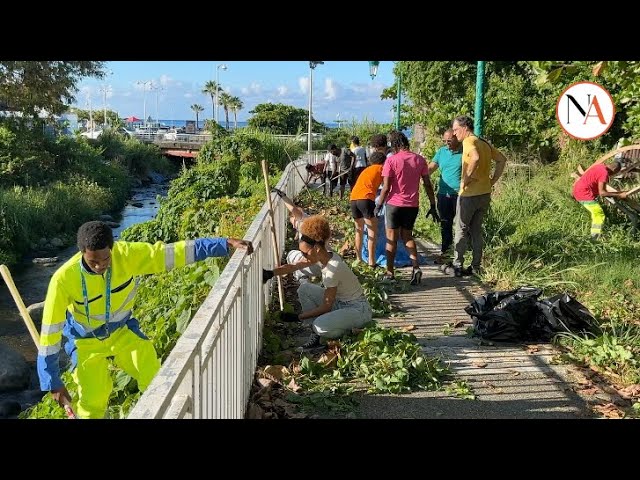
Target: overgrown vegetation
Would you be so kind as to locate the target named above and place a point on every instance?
(200, 203)
(372, 360)
(537, 234)
(50, 186)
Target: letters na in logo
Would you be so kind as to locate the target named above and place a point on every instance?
(585, 110)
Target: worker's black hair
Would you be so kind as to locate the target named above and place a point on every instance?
(94, 236)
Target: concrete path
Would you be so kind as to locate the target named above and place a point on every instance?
(509, 380)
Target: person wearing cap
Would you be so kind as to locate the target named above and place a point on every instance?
(340, 304)
(90, 300)
(593, 184)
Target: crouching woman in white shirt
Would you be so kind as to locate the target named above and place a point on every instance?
(338, 307)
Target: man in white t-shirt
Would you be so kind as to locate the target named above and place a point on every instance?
(330, 171)
(360, 162)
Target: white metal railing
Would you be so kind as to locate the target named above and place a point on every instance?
(172, 137)
(317, 156)
(209, 372)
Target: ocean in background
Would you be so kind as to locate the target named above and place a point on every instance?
(183, 123)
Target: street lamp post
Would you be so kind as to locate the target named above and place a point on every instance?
(479, 110)
(157, 89)
(218, 67)
(373, 71)
(144, 99)
(312, 66)
(399, 96)
(90, 113)
(105, 89)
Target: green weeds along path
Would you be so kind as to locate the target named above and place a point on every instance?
(537, 235)
(205, 200)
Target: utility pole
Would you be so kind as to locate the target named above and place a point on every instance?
(312, 66)
(479, 110)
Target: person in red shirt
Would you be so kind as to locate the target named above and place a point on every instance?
(592, 184)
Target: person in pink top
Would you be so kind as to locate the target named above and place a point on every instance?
(401, 191)
(592, 184)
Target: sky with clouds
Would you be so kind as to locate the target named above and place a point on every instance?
(341, 90)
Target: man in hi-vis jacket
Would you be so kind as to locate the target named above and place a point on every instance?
(89, 300)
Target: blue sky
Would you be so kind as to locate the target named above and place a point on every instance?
(341, 89)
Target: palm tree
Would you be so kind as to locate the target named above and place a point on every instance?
(225, 101)
(211, 88)
(197, 108)
(236, 105)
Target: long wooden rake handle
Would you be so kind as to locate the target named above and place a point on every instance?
(6, 274)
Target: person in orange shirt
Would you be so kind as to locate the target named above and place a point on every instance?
(363, 205)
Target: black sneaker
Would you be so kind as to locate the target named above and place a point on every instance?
(467, 271)
(313, 342)
(457, 272)
(416, 276)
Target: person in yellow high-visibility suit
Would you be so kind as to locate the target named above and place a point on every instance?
(89, 300)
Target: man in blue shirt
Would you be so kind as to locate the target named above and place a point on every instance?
(449, 160)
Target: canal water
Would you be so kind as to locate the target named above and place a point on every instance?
(33, 280)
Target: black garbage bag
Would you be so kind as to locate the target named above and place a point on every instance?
(563, 313)
(507, 316)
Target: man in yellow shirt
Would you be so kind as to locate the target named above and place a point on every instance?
(475, 192)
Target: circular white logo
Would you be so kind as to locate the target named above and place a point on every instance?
(585, 110)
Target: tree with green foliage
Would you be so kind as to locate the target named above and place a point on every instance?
(212, 88)
(225, 102)
(235, 105)
(98, 116)
(31, 86)
(621, 79)
(282, 119)
(197, 109)
(519, 113)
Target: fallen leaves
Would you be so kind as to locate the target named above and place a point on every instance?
(275, 372)
(408, 328)
(630, 392)
(609, 410)
(479, 363)
(329, 359)
(531, 349)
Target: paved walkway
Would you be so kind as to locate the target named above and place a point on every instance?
(509, 380)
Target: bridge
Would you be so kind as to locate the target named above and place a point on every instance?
(182, 145)
(176, 144)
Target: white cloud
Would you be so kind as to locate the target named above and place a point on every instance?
(330, 89)
(188, 95)
(167, 81)
(303, 84)
(282, 90)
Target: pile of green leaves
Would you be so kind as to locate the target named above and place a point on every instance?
(376, 360)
